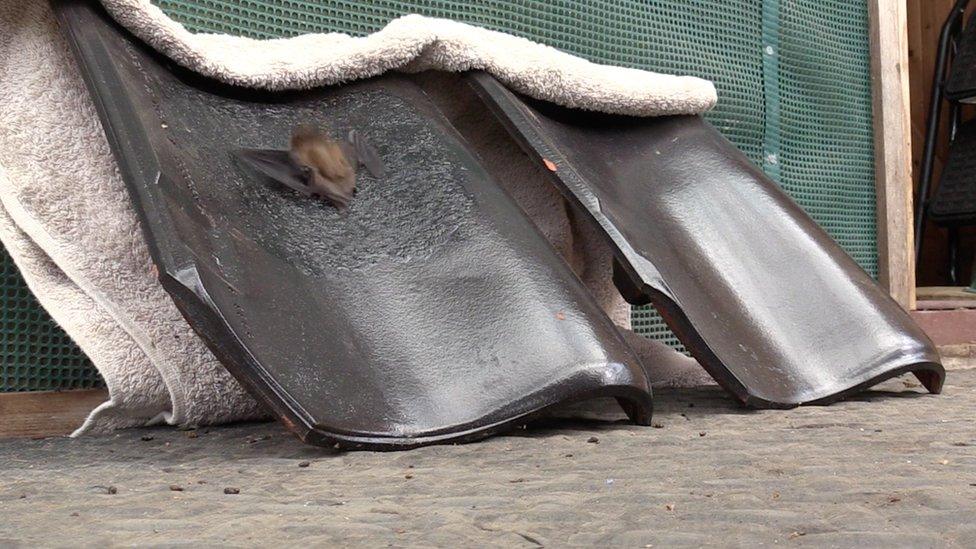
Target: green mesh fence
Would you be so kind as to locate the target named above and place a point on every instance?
(824, 121)
(792, 77)
(37, 354)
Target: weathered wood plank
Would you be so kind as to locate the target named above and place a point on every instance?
(944, 293)
(893, 149)
(46, 413)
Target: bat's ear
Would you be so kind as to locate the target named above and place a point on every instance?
(367, 155)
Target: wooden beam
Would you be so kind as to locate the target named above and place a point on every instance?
(893, 147)
(44, 413)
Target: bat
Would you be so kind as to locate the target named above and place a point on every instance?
(317, 165)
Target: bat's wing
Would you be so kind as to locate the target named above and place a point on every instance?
(366, 155)
(277, 165)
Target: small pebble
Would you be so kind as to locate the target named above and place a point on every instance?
(146, 438)
(191, 434)
(75, 514)
(795, 535)
(658, 426)
(230, 490)
(669, 507)
(176, 487)
(408, 476)
(304, 463)
(593, 440)
(702, 433)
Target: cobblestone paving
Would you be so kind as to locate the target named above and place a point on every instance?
(893, 467)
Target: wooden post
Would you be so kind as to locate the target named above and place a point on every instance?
(893, 147)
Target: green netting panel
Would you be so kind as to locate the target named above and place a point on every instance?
(792, 76)
(37, 354)
(825, 124)
(717, 39)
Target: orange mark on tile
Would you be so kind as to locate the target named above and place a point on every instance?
(560, 316)
(550, 165)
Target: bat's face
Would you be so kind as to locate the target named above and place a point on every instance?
(329, 172)
(338, 189)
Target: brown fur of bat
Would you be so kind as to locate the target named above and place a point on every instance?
(332, 174)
